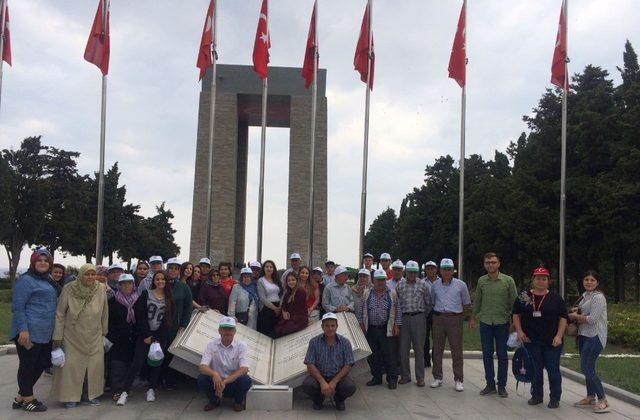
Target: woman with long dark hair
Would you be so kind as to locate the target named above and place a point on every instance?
(34, 306)
(186, 276)
(591, 316)
(269, 292)
(312, 292)
(294, 315)
(153, 311)
(226, 280)
(140, 272)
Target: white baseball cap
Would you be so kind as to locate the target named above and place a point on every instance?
(155, 259)
(227, 322)
(368, 254)
(115, 266)
(245, 270)
(125, 277)
(328, 262)
(329, 315)
(430, 263)
(446, 263)
(365, 272)
(412, 266)
(340, 270)
(205, 260)
(255, 264)
(173, 261)
(379, 274)
(318, 269)
(397, 264)
(295, 256)
(385, 256)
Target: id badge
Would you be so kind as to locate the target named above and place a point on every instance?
(537, 314)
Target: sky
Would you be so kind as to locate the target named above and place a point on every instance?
(153, 92)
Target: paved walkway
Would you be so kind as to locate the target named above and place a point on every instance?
(406, 402)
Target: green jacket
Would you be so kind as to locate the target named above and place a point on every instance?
(184, 305)
(494, 299)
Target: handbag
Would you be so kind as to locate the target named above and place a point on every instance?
(572, 326)
(243, 317)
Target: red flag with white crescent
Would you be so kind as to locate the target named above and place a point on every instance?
(262, 44)
(6, 40)
(559, 62)
(98, 45)
(205, 59)
(363, 54)
(458, 58)
(310, 52)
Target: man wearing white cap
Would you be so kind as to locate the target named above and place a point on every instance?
(450, 296)
(155, 265)
(367, 262)
(329, 359)
(224, 367)
(431, 275)
(255, 267)
(363, 283)
(380, 318)
(296, 263)
(337, 296)
(329, 275)
(113, 275)
(415, 301)
(385, 262)
(397, 269)
(205, 269)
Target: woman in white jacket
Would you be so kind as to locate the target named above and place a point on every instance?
(244, 301)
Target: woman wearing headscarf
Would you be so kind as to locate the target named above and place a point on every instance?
(122, 322)
(212, 295)
(34, 306)
(244, 301)
(82, 321)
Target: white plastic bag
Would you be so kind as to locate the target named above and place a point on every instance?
(155, 352)
(107, 344)
(57, 357)
(513, 341)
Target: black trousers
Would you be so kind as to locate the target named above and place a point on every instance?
(385, 356)
(139, 360)
(32, 363)
(427, 345)
(344, 389)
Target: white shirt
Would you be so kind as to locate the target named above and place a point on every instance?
(225, 359)
(273, 291)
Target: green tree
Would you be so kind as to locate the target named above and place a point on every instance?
(382, 234)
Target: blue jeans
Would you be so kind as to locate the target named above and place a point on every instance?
(590, 348)
(236, 390)
(498, 333)
(546, 357)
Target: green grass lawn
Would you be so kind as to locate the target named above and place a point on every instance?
(612, 371)
(5, 321)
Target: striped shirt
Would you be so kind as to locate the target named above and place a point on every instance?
(594, 306)
(413, 296)
(329, 359)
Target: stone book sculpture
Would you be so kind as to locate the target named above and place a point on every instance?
(272, 361)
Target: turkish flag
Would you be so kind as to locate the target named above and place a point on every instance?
(97, 49)
(311, 51)
(559, 62)
(362, 56)
(6, 42)
(262, 43)
(205, 59)
(458, 59)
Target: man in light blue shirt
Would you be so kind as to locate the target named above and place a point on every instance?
(337, 296)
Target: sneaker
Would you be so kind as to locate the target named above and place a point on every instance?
(534, 401)
(502, 392)
(459, 386)
(16, 405)
(94, 402)
(122, 400)
(71, 404)
(553, 404)
(488, 390)
(151, 395)
(34, 406)
(436, 383)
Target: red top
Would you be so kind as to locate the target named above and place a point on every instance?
(312, 297)
(389, 274)
(227, 284)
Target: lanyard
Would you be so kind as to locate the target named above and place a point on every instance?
(533, 302)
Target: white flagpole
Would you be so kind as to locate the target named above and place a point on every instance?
(212, 126)
(365, 151)
(3, 8)
(314, 101)
(263, 138)
(563, 162)
(462, 155)
(103, 119)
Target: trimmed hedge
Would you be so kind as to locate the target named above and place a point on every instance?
(624, 324)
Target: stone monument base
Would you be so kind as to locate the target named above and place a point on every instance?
(270, 397)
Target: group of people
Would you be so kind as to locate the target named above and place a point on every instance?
(101, 329)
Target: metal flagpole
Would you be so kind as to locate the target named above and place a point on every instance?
(462, 154)
(3, 7)
(365, 151)
(103, 120)
(314, 101)
(563, 163)
(263, 138)
(212, 126)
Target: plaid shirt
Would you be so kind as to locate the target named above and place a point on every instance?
(414, 296)
(378, 308)
(329, 359)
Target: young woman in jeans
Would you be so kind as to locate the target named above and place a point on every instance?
(591, 316)
(540, 318)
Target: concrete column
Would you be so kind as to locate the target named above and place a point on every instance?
(241, 192)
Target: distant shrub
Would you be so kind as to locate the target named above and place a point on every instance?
(624, 324)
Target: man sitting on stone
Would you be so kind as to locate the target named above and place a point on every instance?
(224, 367)
(329, 359)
